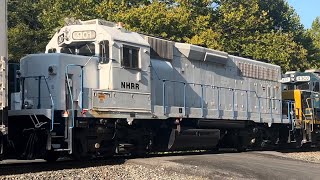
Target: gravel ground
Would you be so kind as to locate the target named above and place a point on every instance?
(304, 156)
(149, 168)
(128, 170)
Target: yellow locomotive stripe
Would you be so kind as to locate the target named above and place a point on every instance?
(298, 104)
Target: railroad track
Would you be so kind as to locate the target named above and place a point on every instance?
(11, 167)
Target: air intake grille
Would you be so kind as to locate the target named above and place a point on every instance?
(258, 72)
(160, 48)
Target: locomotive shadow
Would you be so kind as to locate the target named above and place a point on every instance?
(191, 153)
(34, 167)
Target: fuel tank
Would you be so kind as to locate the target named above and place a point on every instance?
(195, 139)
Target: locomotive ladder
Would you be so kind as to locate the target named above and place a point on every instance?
(291, 118)
(308, 122)
(71, 111)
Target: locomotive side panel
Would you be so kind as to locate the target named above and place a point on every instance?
(202, 83)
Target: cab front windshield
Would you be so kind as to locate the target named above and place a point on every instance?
(316, 103)
(300, 86)
(84, 49)
(303, 86)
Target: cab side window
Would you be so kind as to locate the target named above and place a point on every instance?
(316, 86)
(87, 50)
(68, 50)
(104, 51)
(52, 50)
(130, 57)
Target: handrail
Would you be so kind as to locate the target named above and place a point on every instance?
(208, 85)
(247, 104)
(52, 105)
(290, 113)
(70, 92)
(202, 105)
(185, 99)
(218, 87)
(51, 98)
(312, 111)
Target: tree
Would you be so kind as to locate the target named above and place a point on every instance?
(277, 48)
(239, 20)
(266, 30)
(247, 31)
(54, 12)
(315, 32)
(25, 31)
(174, 22)
(313, 42)
(282, 16)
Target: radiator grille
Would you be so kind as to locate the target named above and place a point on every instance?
(160, 48)
(257, 72)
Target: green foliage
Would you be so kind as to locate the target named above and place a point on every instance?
(282, 16)
(315, 32)
(25, 31)
(159, 20)
(266, 30)
(54, 12)
(238, 20)
(249, 30)
(276, 48)
(312, 40)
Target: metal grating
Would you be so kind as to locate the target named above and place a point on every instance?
(257, 72)
(160, 48)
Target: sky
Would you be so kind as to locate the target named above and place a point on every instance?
(308, 10)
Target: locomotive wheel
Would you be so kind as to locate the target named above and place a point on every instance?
(79, 153)
(139, 153)
(241, 149)
(108, 150)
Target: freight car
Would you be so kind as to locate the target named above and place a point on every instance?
(3, 75)
(100, 90)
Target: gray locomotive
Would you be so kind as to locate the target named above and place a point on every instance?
(100, 90)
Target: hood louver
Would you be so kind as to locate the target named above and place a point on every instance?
(160, 48)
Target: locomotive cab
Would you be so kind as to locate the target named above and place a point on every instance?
(301, 89)
(91, 75)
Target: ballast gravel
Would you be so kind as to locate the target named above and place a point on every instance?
(145, 168)
(305, 156)
(127, 171)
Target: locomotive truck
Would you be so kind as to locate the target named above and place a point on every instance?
(101, 90)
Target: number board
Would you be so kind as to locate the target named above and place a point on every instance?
(303, 78)
(285, 80)
(84, 35)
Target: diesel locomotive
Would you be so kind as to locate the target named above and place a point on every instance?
(100, 90)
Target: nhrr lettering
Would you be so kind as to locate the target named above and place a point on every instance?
(129, 85)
